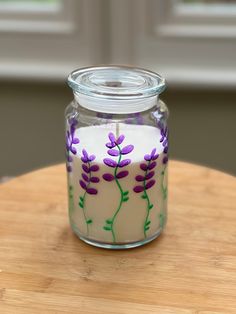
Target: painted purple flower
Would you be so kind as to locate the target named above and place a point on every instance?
(146, 167)
(138, 189)
(108, 177)
(164, 140)
(124, 163)
(165, 160)
(127, 149)
(110, 162)
(70, 141)
(86, 158)
(69, 168)
(70, 136)
(165, 144)
(87, 178)
(166, 150)
(113, 141)
(152, 156)
(122, 174)
(120, 139)
(146, 182)
(113, 152)
(116, 152)
(88, 169)
(164, 134)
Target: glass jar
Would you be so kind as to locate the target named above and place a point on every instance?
(117, 156)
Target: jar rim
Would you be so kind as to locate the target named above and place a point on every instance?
(116, 82)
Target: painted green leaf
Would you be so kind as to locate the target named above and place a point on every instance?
(126, 193)
(150, 206)
(147, 228)
(107, 228)
(81, 205)
(81, 198)
(109, 221)
(71, 188)
(162, 172)
(89, 221)
(148, 222)
(144, 196)
(125, 199)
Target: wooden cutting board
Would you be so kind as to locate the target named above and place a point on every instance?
(191, 268)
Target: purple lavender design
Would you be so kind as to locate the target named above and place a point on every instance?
(164, 141)
(147, 182)
(115, 150)
(85, 183)
(70, 141)
(165, 144)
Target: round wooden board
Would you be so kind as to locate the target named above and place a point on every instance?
(191, 268)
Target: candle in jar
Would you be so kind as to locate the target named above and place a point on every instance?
(118, 186)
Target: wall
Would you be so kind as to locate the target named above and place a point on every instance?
(31, 125)
(202, 125)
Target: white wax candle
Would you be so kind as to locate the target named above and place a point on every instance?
(118, 212)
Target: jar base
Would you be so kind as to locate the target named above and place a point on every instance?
(118, 246)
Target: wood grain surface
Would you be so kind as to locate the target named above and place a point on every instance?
(191, 268)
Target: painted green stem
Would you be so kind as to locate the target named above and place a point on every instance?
(149, 206)
(164, 193)
(84, 213)
(164, 189)
(121, 197)
(71, 198)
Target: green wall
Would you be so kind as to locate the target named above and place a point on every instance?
(202, 126)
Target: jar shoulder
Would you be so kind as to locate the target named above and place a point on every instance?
(155, 116)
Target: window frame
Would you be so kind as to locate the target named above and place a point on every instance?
(180, 55)
(36, 18)
(40, 47)
(173, 22)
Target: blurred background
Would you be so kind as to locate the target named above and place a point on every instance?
(191, 43)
